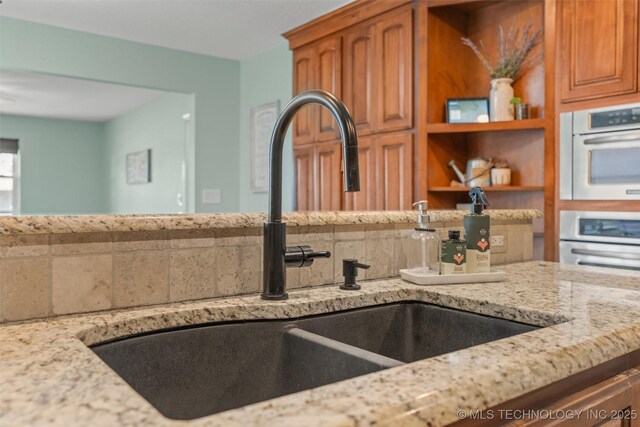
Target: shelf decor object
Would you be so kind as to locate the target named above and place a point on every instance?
(139, 167)
(513, 49)
(467, 110)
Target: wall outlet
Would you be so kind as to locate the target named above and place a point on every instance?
(211, 196)
(497, 240)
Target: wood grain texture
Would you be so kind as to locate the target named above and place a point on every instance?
(599, 48)
(359, 76)
(329, 51)
(328, 185)
(304, 78)
(394, 170)
(394, 62)
(365, 199)
(303, 158)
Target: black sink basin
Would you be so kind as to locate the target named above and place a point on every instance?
(193, 372)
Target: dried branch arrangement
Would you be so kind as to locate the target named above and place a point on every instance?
(513, 50)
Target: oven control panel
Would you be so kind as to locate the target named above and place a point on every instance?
(625, 116)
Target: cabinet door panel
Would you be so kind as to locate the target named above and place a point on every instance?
(394, 165)
(329, 79)
(359, 76)
(394, 60)
(365, 199)
(599, 48)
(304, 76)
(305, 177)
(328, 182)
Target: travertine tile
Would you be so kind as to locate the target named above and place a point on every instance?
(348, 232)
(24, 285)
(81, 243)
(140, 241)
(498, 259)
(496, 231)
(305, 235)
(239, 236)
(379, 255)
(239, 269)
(527, 243)
(24, 245)
(515, 243)
(185, 239)
(141, 278)
(321, 271)
(192, 274)
(354, 249)
(379, 231)
(81, 283)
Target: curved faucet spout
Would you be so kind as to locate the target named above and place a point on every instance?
(349, 145)
(274, 279)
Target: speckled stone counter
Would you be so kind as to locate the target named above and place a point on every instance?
(50, 377)
(12, 225)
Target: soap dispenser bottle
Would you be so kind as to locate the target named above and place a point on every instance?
(477, 225)
(423, 255)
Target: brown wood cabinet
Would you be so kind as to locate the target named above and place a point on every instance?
(599, 48)
(318, 176)
(370, 66)
(614, 402)
(394, 171)
(317, 66)
(365, 199)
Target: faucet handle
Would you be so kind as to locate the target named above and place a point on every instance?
(350, 272)
(303, 256)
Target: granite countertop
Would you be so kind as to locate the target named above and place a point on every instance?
(50, 377)
(33, 224)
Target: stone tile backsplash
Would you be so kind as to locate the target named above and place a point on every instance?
(56, 274)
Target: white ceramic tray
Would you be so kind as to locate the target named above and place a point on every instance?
(447, 279)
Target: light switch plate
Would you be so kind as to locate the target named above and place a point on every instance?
(211, 196)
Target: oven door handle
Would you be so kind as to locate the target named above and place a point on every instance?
(601, 264)
(613, 139)
(606, 254)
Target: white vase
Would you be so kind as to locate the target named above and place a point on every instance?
(500, 108)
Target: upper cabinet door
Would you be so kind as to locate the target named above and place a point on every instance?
(304, 78)
(359, 76)
(305, 173)
(365, 199)
(394, 62)
(328, 179)
(329, 79)
(394, 171)
(599, 48)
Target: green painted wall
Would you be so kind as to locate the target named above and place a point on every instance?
(264, 78)
(158, 125)
(61, 165)
(215, 82)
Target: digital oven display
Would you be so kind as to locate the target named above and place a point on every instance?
(622, 117)
(610, 228)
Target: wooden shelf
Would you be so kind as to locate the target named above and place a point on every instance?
(485, 127)
(489, 189)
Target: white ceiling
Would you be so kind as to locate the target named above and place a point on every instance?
(43, 95)
(234, 29)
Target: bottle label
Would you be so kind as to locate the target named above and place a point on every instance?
(453, 257)
(478, 240)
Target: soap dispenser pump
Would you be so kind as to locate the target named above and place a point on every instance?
(477, 233)
(423, 255)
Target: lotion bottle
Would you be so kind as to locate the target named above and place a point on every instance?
(423, 255)
(477, 233)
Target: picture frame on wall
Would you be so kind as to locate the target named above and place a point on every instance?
(139, 167)
(262, 121)
(467, 110)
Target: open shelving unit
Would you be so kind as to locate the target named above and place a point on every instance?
(453, 71)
